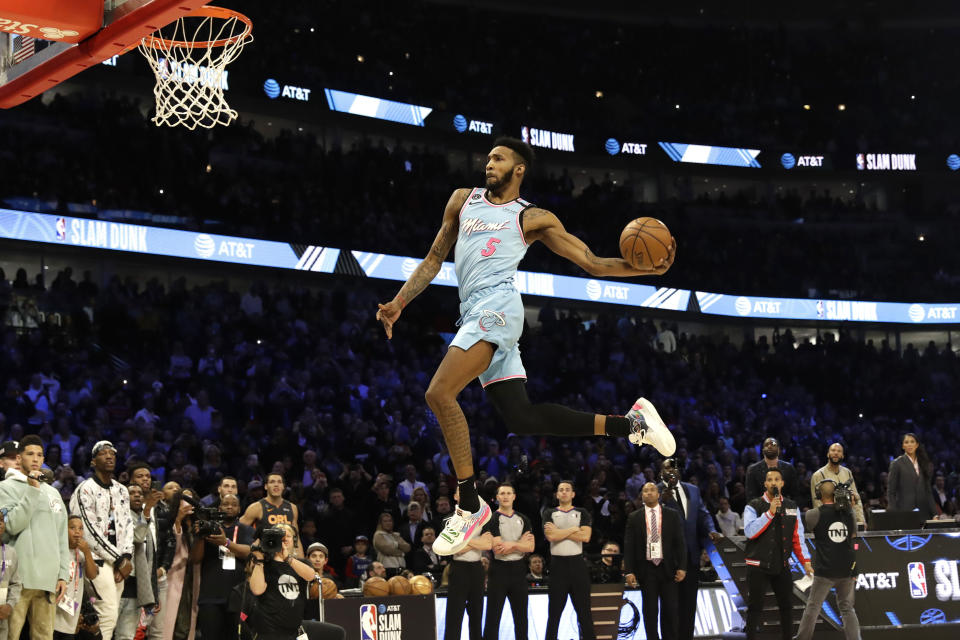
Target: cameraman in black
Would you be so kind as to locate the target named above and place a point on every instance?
(834, 558)
(278, 582)
(222, 555)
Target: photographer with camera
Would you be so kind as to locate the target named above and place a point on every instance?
(278, 582)
(223, 544)
(840, 475)
(834, 560)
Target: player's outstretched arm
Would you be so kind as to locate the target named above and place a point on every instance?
(540, 224)
(427, 270)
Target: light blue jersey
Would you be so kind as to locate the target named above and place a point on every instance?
(490, 245)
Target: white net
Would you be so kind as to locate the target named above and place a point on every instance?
(189, 59)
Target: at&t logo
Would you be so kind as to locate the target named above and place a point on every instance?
(742, 305)
(204, 245)
(594, 290)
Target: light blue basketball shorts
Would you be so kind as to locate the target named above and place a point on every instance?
(494, 315)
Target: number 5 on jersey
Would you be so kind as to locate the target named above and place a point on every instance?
(491, 247)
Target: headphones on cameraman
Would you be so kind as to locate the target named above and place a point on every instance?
(816, 489)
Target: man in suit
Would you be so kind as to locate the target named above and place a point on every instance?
(412, 528)
(697, 526)
(757, 473)
(655, 559)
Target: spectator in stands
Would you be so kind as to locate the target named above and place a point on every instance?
(82, 565)
(608, 569)
(771, 460)
(36, 523)
(140, 598)
(408, 485)
(390, 546)
(9, 584)
(358, 563)
(97, 500)
(908, 482)
(729, 521)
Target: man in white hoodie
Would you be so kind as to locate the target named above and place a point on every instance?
(36, 523)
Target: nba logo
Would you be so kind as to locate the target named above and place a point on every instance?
(918, 579)
(368, 622)
(61, 229)
(525, 135)
(861, 162)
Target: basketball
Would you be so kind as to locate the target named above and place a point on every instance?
(421, 585)
(328, 588)
(644, 242)
(375, 587)
(399, 586)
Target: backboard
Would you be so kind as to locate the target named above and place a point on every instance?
(42, 43)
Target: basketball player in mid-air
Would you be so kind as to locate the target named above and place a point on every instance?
(492, 228)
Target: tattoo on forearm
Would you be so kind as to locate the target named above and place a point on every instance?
(427, 270)
(457, 436)
(607, 262)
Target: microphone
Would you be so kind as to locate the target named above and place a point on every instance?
(775, 491)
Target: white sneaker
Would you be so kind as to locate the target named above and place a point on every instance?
(460, 528)
(646, 427)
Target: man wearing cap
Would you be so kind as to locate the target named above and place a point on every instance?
(36, 521)
(359, 563)
(103, 505)
(317, 554)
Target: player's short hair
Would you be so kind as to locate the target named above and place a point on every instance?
(519, 147)
(769, 471)
(508, 485)
(226, 478)
(279, 475)
(573, 487)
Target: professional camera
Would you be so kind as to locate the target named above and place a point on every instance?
(843, 496)
(208, 519)
(271, 541)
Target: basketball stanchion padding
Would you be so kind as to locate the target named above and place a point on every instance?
(189, 59)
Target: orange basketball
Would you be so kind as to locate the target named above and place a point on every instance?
(399, 586)
(644, 242)
(375, 587)
(328, 588)
(421, 585)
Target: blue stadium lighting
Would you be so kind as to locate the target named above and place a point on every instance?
(706, 154)
(379, 108)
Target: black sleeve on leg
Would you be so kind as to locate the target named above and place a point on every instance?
(511, 401)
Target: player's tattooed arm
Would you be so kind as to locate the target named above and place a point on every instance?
(427, 270)
(540, 224)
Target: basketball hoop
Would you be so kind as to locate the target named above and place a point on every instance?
(189, 59)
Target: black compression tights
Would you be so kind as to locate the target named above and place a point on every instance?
(522, 416)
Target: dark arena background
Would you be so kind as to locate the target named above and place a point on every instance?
(205, 298)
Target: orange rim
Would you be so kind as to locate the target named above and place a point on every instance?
(205, 12)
